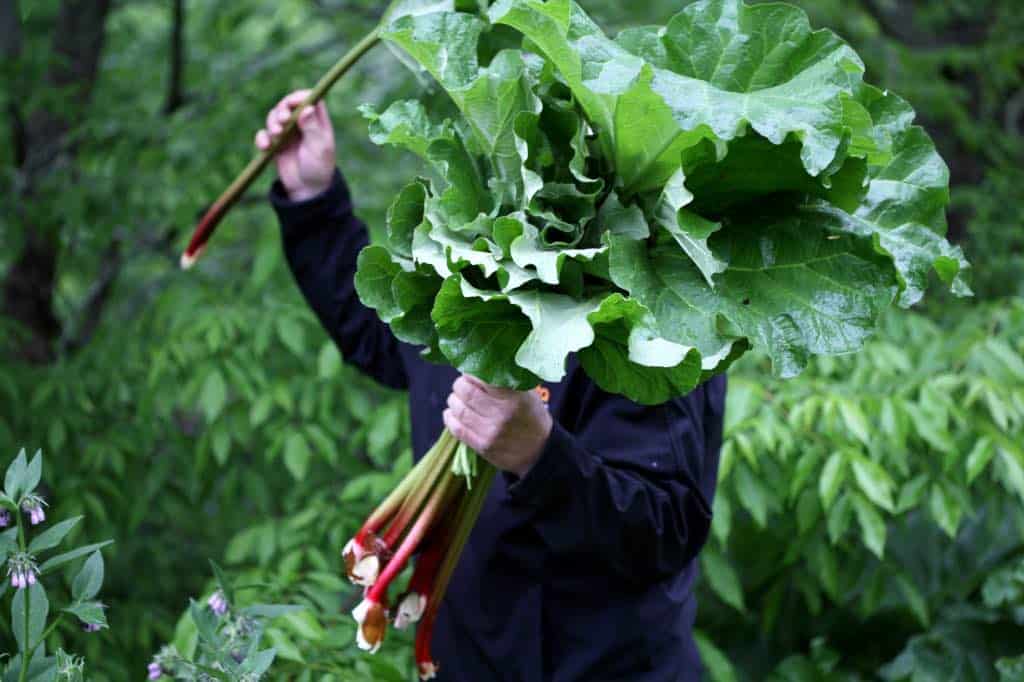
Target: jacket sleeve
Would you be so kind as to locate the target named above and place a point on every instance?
(322, 240)
(631, 488)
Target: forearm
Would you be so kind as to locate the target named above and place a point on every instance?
(322, 240)
(642, 526)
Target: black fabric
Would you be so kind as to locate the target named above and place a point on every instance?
(583, 570)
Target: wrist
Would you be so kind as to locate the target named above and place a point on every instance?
(305, 193)
(544, 434)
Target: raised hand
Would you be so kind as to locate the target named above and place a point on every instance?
(306, 164)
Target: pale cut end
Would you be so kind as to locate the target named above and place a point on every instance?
(428, 671)
(187, 261)
(371, 624)
(366, 570)
(410, 610)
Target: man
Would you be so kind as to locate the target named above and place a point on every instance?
(582, 564)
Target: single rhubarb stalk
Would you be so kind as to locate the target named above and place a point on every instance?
(413, 603)
(206, 227)
(370, 633)
(469, 511)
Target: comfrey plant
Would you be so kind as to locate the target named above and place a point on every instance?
(226, 641)
(22, 549)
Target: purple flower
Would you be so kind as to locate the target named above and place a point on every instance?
(22, 572)
(33, 506)
(5, 518)
(218, 603)
(91, 627)
(155, 671)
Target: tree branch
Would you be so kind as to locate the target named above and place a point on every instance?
(175, 84)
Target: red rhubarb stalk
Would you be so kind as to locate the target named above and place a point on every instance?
(206, 227)
(469, 510)
(370, 633)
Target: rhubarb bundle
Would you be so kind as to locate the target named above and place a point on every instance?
(432, 512)
(656, 204)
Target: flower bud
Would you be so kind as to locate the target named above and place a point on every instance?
(155, 671)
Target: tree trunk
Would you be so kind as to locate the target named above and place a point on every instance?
(29, 283)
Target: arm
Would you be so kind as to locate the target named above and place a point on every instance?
(322, 239)
(631, 488)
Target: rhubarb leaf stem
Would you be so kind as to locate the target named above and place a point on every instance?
(210, 221)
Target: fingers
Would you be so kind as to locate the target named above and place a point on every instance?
(263, 140)
(462, 432)
(321, 114)
(313, 127)
(471, 392)
(278, 117)
(466, 413)
(294, 99)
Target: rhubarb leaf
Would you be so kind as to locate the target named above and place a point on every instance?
(481, 335)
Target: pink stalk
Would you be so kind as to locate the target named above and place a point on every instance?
(413, 603)
(366, 553)
(364, 539)
(469, 511)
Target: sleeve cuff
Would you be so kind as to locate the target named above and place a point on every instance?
(553, 472)
(297, 216)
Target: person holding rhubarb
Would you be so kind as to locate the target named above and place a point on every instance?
(582, 564)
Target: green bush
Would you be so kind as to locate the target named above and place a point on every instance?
(875, 502)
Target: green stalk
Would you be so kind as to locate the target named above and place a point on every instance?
(208, 224)
(440, 466)
(23, 674)
(469, 510)
(393, 502)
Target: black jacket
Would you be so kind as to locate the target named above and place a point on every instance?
(584, 569)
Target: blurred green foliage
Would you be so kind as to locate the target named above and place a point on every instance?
(869, 518)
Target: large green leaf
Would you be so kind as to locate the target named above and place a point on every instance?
(792, 289)
(716, 70)
(491, 99)
(628, 357)
(481, 334)
(560, 327)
